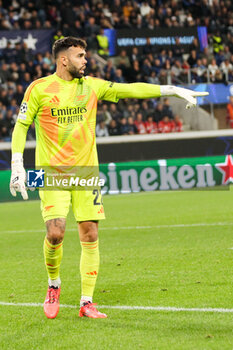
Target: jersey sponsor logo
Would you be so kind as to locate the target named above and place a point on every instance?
(70, 119)
(68, 115)
(67, 111)
(23, 107)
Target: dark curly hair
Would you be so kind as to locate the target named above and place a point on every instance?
(64, 43)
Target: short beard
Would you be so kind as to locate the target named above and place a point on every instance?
(74, 72)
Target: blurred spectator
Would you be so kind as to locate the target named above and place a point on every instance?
(158, 112)
(58, 35)
(207, 54)
(119, 76)
(103, 46)
(219, 57)
(217, 42)
(26, 79)
(101, 129)
(213, 69)
(226, 67)
(109, 70)
(151, 126)
(131, 126)
(125, 23)
(195, 45)
(179, 124)
(167, 111)
(134, 55)
(93, 67)
(156, 66)
(47, 59)
(165, 126)
(105, 114)
(176, 124)
(4, 98)
(192, 60)
(122, 62)
(153, 79)
(135, 74)
(146, 68)
(163, 56)
(123, 126)
(14, 71)
(198, 72)
(18, 95)
(185, 71)
(113, 129)
(5, 74)
(76, 29)
(145, 9)
(145, 110)
(227, 54)
(115, 113)
(91, 30)
(163, 77)
(148, 48)
(22, 70)
(176, 71)
(140, 125)
(13, 106)
(7, 53)
(178, 50)
(219, 76)
(127, 9)
(67, 12)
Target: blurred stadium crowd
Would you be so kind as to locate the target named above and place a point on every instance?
(86, 19)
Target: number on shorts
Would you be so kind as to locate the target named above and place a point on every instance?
(96, 199)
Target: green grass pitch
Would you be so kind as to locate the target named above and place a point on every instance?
(164, 249)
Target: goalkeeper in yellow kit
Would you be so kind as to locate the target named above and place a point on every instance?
(63, 107)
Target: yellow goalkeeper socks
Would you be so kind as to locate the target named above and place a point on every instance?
(89, 267)
(53, 256)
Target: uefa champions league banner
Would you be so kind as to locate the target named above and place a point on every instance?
(159, 38)
(36, 40)
(157, 175)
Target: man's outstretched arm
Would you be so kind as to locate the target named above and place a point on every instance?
(144, 90)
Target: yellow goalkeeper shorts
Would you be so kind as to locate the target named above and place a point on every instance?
(86, 205)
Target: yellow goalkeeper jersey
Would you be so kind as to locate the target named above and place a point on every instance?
(65, 118)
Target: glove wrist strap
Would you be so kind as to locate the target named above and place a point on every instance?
(167, 90)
